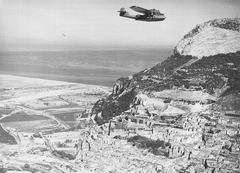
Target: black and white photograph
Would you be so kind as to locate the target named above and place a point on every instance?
(119, 86)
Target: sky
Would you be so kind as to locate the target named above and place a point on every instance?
(95, 24)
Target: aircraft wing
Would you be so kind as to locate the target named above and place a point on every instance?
(140, 9)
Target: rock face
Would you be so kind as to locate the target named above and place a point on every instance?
(192, 97)
(120, 85)
(211, 38)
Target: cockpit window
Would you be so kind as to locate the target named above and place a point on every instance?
(156, 12)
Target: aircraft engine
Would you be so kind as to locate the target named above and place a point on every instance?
(122, 12)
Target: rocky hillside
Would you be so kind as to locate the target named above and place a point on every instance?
(211, 38)
(216, 75)
(191, 101)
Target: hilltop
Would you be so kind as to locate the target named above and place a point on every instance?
(211, 38)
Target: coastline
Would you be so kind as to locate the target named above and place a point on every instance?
(18, 81)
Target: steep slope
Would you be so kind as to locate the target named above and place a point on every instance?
(214, 74)
(211, 38)
(191, 101)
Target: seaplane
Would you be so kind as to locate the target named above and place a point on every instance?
(151, 15)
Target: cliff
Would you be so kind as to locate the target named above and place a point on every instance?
(211, 38)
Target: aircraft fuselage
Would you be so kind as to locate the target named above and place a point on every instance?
(150, 19)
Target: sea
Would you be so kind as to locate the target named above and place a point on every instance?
(98, 67)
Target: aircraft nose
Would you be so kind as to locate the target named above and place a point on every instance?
(161, 18)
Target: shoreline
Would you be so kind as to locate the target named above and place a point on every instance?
(104, 81)
(20, 81)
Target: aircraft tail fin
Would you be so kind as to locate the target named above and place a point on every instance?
(122, 12)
